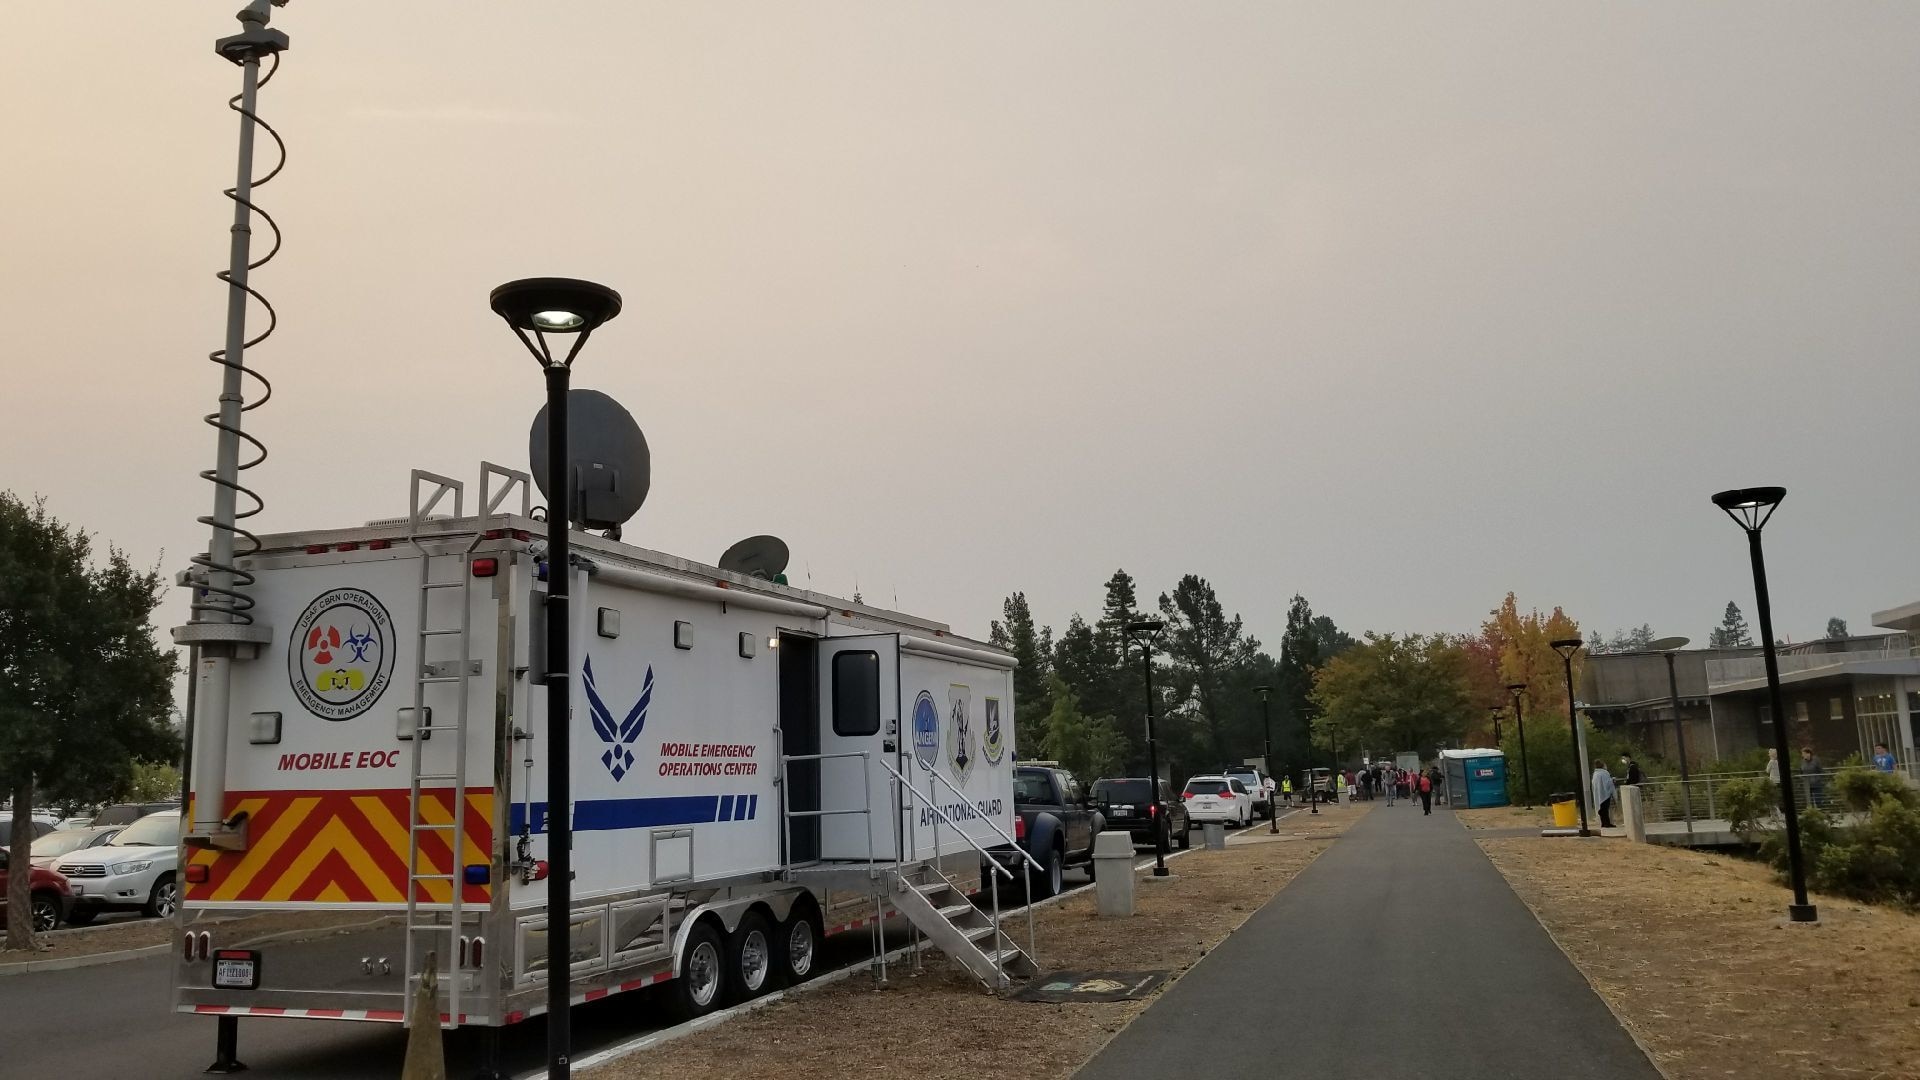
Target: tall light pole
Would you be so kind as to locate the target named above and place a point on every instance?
(1147, 633)
(1668, 646)
(1566, 647)
(535, 308)
(1518, 690)
(1266, 727)
(1750, 508)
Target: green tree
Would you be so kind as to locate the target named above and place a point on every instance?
(1837, 627)
(84, 689)
(1086, 746)
(1204, 649)
(1300, 658)
(1732, 632)
(152, 781)
(1123, 694)
(1031, 679)
(1392, 693)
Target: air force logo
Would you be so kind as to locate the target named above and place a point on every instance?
(619, 737)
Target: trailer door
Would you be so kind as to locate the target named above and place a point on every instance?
(859, 714)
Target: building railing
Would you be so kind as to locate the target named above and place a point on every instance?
(1748, 668)
(1668, 799)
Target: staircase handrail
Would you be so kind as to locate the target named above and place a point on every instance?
(987, 821)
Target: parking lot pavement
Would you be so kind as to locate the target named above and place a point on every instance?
(1401, 951)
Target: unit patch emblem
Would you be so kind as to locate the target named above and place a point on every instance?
(991, 742)
(926, 730)
(959, 708)
(340, 657)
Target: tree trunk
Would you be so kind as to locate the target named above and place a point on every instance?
(20, 870)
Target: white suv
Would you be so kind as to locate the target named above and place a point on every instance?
(1218, 798)
(136, 871)
(1257, 786)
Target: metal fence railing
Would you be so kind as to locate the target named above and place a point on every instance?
(1668, 799)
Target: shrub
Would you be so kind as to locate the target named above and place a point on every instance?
(1878, 860)
(1860, 790)
(1747, 804)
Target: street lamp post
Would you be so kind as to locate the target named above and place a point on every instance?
(1520, 725)
(1147, 633)
(1750, 508)
(1266, 727)
(535, 308)
(1668, 646)
(1566, 647)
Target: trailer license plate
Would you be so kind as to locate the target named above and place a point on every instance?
(236, 969)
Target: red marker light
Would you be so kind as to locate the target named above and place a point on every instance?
(486, 567)
(316, 549)
(379, 545)
(197, 873)
(347, 545)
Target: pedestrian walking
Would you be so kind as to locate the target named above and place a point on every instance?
(1391, 784)
(1810, 770)
(1773, 766)
(1426, 794)
(1604, 791)
(1634, 775)
(1882, 758)
(1286, 791)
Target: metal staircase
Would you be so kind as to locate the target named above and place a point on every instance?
(956, 927)
(443, 662)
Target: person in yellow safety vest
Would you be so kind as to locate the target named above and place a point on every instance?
(1286, 790)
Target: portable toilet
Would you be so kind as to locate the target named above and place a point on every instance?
(1475, 778)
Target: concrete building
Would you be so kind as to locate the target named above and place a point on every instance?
(1841, 695)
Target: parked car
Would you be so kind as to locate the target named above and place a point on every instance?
(1053, 825)
(1124, 803)
(128, 813)
(49, 893)
(1256, 784)
(135, 872)
(48, 849)
(1218, 798)
(44, 822)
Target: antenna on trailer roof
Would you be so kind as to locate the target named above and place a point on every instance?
(763, 557)
(612, 467)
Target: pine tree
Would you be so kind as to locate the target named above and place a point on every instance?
(1031, 683)
(1204, 650)
(1732, 632)
(1837, 627)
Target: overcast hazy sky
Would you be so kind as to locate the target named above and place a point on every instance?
(1397, 306)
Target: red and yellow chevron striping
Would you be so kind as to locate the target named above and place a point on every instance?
(342, 847)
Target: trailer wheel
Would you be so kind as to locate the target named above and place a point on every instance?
(703, 974)
(797, 954)
(750, 964)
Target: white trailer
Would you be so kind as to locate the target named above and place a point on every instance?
(754, 767)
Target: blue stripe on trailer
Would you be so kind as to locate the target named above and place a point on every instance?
(612, 815)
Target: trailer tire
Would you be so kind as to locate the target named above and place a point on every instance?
(751, 970)
(796, 957)
(702, 984)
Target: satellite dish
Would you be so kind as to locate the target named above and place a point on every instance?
(1667, 644)
(756, 557)
(612, 468)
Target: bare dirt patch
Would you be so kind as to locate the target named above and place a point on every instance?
(1505, 817)
(1691, 951)
(942, 1026)
(144, 933)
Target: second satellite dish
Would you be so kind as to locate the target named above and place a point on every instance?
(756, 557)
(612, 467)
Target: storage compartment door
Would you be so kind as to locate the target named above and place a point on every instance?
(859, 715)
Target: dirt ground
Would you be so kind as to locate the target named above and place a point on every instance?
(1505, 817)
(948, 1028)
(119, 937)
(1691, 950)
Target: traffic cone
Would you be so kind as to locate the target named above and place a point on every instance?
(426, 1057)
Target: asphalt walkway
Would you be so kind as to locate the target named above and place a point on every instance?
(1400, 952)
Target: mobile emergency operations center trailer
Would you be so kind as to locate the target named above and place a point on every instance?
(754, 767)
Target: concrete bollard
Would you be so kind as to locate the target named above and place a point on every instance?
(1633, 815)
(1216, 834)
(1113, 873)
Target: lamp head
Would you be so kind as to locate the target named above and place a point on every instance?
(1667, 644)
(1263, 691)
(1145, 627)
(1750, 507)
(1516, 688)
(1566, 647)
(542, 306)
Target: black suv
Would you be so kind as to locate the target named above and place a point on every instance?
(1123, 803)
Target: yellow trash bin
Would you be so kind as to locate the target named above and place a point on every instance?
(1566, 812)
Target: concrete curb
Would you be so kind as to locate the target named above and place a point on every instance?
(68, 963)
(680, 1031)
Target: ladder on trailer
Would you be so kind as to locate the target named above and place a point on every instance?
(452, 670)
